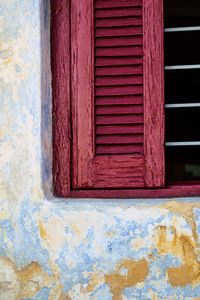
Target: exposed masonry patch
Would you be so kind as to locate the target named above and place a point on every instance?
(18, 284)
(183, 247)
(137, 272)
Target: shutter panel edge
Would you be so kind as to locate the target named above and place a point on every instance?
(90, 170)
(154, 129)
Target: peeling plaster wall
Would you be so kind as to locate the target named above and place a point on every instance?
(74, 249)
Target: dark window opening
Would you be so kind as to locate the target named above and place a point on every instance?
(182, 90)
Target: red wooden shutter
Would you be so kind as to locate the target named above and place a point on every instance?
(117, 94)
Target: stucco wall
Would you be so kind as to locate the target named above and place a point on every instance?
(74, 249)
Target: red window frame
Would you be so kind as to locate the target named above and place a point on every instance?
(68, 151)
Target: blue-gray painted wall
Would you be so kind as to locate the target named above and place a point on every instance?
(76, 249)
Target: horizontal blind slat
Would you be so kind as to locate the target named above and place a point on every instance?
(118, 22)
(119, 70)
(118, 41)
(118, 80)
(115, 119)
(120, 12)
(119, 129)
(118, 31)
(119, 149)
(119, 90)
(118, 61)
(119, 100)
(113, 110)
(119, 139)
(118, 51)
(114, 3)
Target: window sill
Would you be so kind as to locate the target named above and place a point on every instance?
(170, 191)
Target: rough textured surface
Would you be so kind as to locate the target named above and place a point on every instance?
(60, 96)
(75, 249)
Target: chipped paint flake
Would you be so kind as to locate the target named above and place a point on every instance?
(137, 272)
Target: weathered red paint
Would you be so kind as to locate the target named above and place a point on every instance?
(82, 92)
(88, 145)
(106, 172)
(118, 41)
(171, 191)
(153, 93)
(60, 63)
(121, 3)
(91, 170)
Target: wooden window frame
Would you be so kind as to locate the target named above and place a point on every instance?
(63, 109)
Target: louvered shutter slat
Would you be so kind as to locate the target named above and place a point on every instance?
(119, 90)
(119, 139)
(118, 80)
(118, 41)
(119, 70)
(119, 100)
(120, 12)
(118, 61)
(123, 119)
(118, 51)
(119, 129)
(118, 22)
(122, 43)
(118, 31)
(119, 149)
(114, 3)
(113, 110)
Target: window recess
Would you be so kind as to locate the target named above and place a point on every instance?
(108, 91)
(182, 93)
